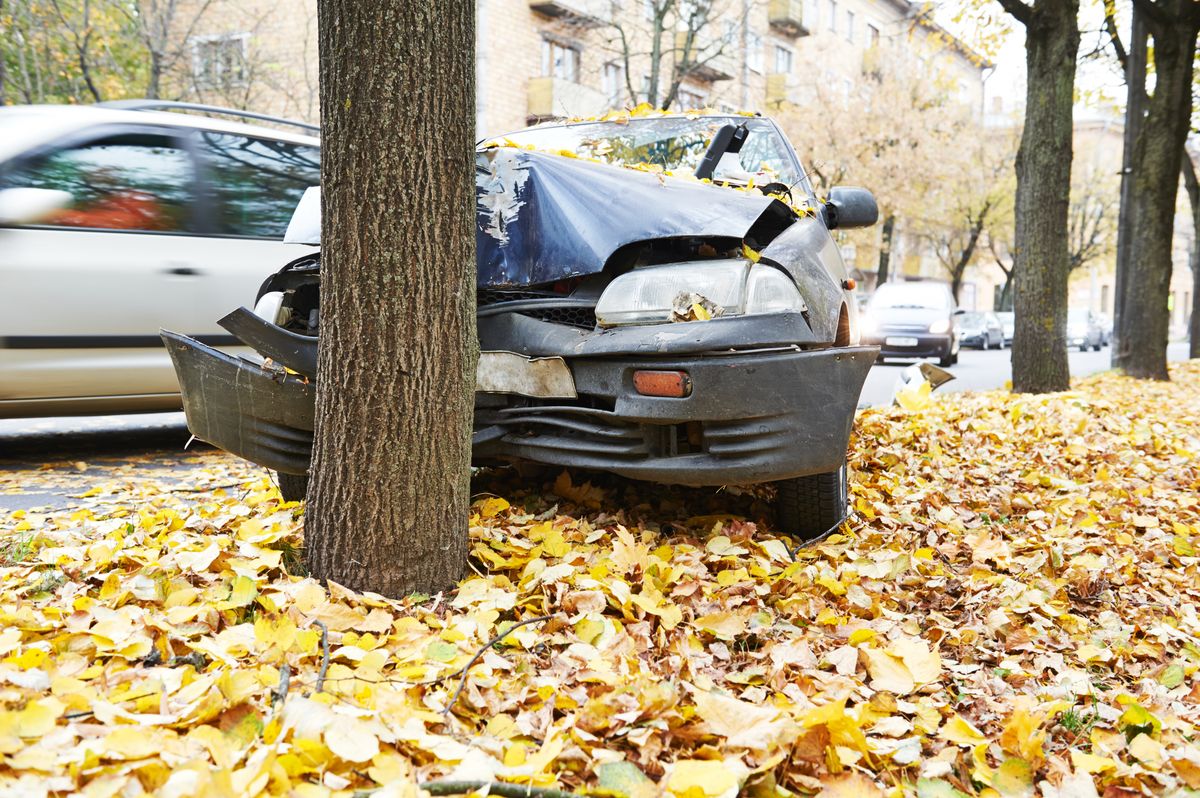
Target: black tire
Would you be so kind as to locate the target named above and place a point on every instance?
(947, 360)
(293, 487)
(808, 507)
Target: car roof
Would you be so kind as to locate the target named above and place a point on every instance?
(26, 126)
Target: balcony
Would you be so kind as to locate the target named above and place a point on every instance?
(553, 98)
(787, 17)
(586, 12)
(711, 60)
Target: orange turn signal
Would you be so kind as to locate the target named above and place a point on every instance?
(850, 284)
(674, 384)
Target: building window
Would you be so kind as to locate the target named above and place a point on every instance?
(754, 52)
(614, 83)
(849, 26)
(783, 61)
(560, 61)
(833, 16)
(872, 35)
(689, 100)
(811, 12)
(219, 62)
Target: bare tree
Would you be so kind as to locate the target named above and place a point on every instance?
(1193, 192)
(165, 28)
(674, 46)
(955, 245)
(1091, 223)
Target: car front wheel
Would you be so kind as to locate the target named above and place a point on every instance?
(293, 487)
(809, 507)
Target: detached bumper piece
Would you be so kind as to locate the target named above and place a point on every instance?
(264, 416)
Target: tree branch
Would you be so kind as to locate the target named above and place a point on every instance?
(1114, 36)
(1020, 11)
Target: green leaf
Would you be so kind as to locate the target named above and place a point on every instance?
(620, 778)
(931, 788)
(1172, 677)
(441, 651)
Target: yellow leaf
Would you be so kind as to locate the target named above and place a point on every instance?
(960, 732)
(924, 664)
(351, 739)
(1021, 735)
(702, 778)
(723, 625)
(492, 507)
(1090, 763)
(888, 673)
(849, 785)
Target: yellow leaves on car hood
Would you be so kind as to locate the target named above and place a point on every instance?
(1011, 610)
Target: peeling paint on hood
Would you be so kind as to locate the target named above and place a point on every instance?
(543, 217)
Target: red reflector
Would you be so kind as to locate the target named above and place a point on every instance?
(676, 384)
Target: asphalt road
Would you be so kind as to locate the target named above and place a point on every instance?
(57, 438)
(982, 371)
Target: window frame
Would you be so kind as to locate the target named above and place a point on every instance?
(549, 44)
(784, 54)
(198, 216)
(220, 84)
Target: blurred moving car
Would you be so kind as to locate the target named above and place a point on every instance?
(644, 340)
(121, 218)
(1083, 329)
(1008, 320)
(980, 330)
(913, 320)
(1106, 328)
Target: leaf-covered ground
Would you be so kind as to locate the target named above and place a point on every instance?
(1010, 611)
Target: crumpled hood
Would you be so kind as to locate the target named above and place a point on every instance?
(542, 218)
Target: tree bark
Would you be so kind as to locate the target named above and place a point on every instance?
(390, 487)
(1143, 327)
(885, 249)
(1134, 65)
(1193, 191)
(1040, 263)
(3, 67)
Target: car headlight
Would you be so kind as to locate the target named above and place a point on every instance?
(736, 287)
(869, 326)
(940, 326)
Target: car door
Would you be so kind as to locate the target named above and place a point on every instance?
(86, 290)
(251, 185)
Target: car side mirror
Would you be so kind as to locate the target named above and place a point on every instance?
(960, 312)
(850, 206)
(30, 205)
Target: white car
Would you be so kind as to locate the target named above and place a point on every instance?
(117, 220)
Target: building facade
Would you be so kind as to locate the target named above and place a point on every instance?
(538, 59)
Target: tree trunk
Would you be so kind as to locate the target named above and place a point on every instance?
(1039, 361)
(1144, 323)
(390, 487)
(3, 67)
(885, 249)
(1193, 191)
(1135, 108)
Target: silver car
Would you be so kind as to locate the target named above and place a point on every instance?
(1083, 330)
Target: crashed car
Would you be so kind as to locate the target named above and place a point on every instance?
(658, 297)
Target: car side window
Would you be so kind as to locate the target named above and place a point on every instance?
(132, 182)
(257, 182)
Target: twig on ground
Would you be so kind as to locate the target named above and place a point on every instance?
(285, 680)
(324, 655)
(479, 654)
(501, 788)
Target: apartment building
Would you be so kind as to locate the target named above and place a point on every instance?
(539, 59)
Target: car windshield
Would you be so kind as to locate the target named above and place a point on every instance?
(1005, 316)
(1077, 317)
(971, 319)
(674, 143)
(909, 295)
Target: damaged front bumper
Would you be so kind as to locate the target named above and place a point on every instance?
(759, 415)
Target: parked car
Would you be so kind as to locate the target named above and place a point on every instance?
(692, 333)
(117, 220)
(980, 330)
(1008, 320)
(1083, 329)
(913, 320)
